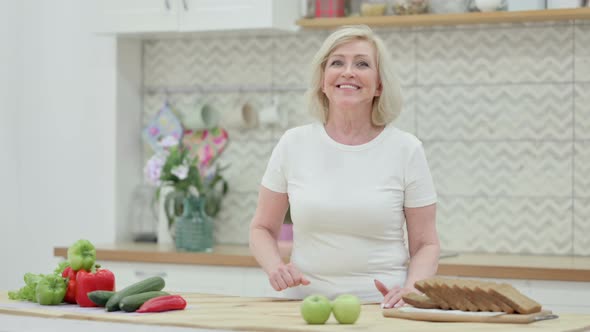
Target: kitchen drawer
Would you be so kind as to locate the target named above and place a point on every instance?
(561, 293)
(182, 278)
(256, 284)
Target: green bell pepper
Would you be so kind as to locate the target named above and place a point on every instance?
(82, 255)
(51, 289)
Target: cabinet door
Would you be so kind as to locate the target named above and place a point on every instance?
(133, 16)
(203, 15)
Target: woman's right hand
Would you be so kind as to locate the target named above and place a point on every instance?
(285, 276)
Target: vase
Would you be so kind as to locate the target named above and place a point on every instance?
(164, 236)
(194, 228)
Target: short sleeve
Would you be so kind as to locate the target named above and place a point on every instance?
(274, 177)
(419, 187)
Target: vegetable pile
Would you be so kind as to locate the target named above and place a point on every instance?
(79, 280)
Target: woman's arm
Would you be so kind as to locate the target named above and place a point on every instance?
(423, 243)
(424, 249)
(264, 233)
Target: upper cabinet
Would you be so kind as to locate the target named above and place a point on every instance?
(147, 16)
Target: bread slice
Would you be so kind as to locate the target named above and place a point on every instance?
(470, 302)
(472, 295)
(485, 289)
(420, 301)
(425, 287)
(480, 299)
(518, 301)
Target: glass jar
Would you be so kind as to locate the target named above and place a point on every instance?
(194, 229)
(373, 7)
(410, 7)
(487, 5)
(448, 6)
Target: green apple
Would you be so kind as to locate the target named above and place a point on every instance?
(346, 308)
(316, 309)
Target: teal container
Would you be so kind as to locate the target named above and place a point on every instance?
(194, 229)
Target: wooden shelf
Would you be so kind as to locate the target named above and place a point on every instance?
(449, 19)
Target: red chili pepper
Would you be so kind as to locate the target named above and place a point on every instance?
(87, 282)
(163, 303)
(70, 296)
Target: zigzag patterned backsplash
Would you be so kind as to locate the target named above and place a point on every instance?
(503, 112)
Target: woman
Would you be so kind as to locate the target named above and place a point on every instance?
(351, 180)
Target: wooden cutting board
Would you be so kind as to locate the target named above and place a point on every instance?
(437, 315)
(266, 314)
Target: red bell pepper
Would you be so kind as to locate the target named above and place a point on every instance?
(86, 282)
(70, 296)
(163, 303)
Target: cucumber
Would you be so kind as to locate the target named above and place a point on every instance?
(147, 285)
(133, 302)
(100, 297)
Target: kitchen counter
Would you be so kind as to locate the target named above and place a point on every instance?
(260, 314)
(532, 267)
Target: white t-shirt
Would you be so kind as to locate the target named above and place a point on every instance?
(347, 206)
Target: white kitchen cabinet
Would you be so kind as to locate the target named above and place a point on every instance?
(152, 16)
(133, 16)
(562, 296)
(222, 280)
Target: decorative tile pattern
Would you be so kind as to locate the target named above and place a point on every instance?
(582, 227)
(505, 225)
(495, 56)
(233, 221)
(292, 56)
(582, 111)
(495, 105)
(407, 118)
(502, 168)
(402, 47)
(513, 112)
(582, 170)
(582, 53)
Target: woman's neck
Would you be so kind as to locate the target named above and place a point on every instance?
(351, 128)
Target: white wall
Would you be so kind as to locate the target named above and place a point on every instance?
(10, 106)
(58, 101)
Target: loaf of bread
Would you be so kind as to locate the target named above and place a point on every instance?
(470, 295)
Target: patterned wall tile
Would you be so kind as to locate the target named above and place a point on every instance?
(582, 53)
(582, 111)
(402, 47)
(166, 62)
(582, 169)
(407, 118)
(495, 55)
(292, 56)
(506, 225)
(295, 104)
(582, 227)
(502, 168)
(496, 112)
(233, 221)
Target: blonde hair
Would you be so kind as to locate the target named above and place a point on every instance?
(387, 106)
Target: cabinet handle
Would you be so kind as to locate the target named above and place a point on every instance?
(185, 4)
(142, 274)
(167, 3)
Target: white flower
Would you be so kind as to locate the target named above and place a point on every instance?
(168, 141)
(181, 171)
(153, 169)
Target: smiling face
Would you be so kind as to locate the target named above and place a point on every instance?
(351, 77)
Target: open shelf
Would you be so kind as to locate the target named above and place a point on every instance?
(449, 19)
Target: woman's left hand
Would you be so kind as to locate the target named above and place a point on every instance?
(392, 298)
